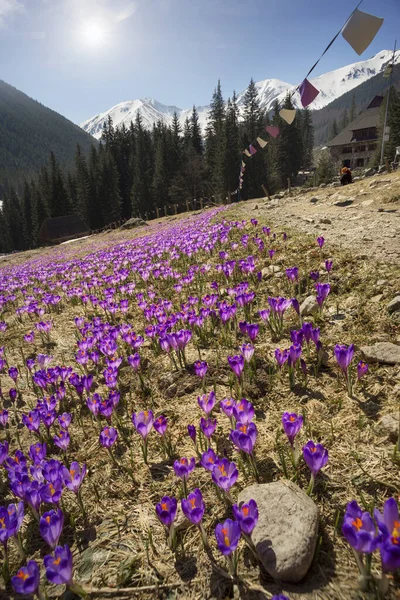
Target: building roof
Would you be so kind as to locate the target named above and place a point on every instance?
(367, 119)
(59, 229)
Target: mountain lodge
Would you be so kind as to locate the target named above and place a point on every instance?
(355, 145)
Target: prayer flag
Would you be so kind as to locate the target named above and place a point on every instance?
(360, 30)
(246, 152)
(308, 92)
(262, 142)
(252, 150)
(287, 115)
(272, 130)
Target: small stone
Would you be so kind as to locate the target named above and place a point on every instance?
(325, 221)
(322, 185)
(309, 306)
(286, 533)
(381, 282)
(170, 392)
(385, 353)
(314, 200)
(256, 207)
(308, 220)
(274, 268)
(376, 299)
(394, 305)
(389, 424)
(166, 380)
(369, 172)
(344, 203)
(134, 222)
(266, 273)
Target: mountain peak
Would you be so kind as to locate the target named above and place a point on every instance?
(331, 85)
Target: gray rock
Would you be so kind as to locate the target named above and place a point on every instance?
(382, 169)
(134, 222)
(394, 305)
(369, 172)
(343, 203)
(309, 306)
(389, 425)
(376, 299)
(322, 185)
(325, 221)
(381, 282)
(335, 184)
(314, 200)
(286, 533)
(170, 392)
(385, 353)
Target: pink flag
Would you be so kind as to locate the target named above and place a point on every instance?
(360, 30)
(308, 92)
(273, 130)
(252, 150)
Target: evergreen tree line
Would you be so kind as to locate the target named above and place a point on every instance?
(135, 170)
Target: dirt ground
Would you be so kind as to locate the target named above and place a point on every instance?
(366, 220)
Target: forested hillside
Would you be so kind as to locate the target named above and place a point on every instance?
(29, 131)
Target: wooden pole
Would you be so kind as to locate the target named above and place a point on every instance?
(201, 203)
(289, 187)
(165, 211)
(176, 208)
(158, 212)
(265, 191)
(187, 205)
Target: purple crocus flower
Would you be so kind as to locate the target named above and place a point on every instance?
(359, 529)
(292, 274)
(389, 526)
(292, 423)
(134, 361)
(160, 424)
(314, 275)
(193, 506)
(51, 492)
(192, 432)
(209, 459)
(224, 474)
(50, 527)
(183, 467)
(108, 437)
(74, 476)
(243, 411)
(296, 305)
(315, 456)
(344, 356)
(12, 394)
(227, 405)
(64, 420)
(207, 402)
(37, 452)
(143, 422)
(362, 369)
(3, 451)
(208, 426)
(59, 567)
(323, 290)
(247, 516)
(281, 356)
(62, 440)
(27, 579)
(328, 265)
(280, 597)
(252, 330)
(13, 373)
(247, 351)
(227, 535)
(271, 253)
(3, 417)
(166, 510)
(294, 354)
(320, 241)
(200, 368)
(236, 363)
(244, 436)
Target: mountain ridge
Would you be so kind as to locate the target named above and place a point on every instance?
(332, 85)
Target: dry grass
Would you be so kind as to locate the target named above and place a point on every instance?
(121, 551)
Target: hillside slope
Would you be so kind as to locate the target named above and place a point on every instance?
(28, 132)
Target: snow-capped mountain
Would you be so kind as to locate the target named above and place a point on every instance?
(331, 85)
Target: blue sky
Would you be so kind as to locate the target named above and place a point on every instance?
(80, 57)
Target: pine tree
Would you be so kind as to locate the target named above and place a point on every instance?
(353, 108)
(195, 132)
(393, 122)
(57, 196)
(160, 177)
(141, 193)
(289, 147)
(13, 221)
(307, 137)
(82, 183)
(344, 121)
(108, 191)
(325, 168)
(251, 126)
(232, 137)
(26, 210)
(334, 130)
(216, 143)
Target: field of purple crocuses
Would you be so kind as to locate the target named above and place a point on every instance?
(158, 387)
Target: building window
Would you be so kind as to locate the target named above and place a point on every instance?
(371, 147)
(362, 148)
(347, 150)
(360, 162)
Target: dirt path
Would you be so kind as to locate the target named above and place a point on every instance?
(364, 216)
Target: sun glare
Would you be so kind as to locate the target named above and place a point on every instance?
(93, 34)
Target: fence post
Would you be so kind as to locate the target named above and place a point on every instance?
(146, 216)
(201, 203)
(176, 208)
(158, 212)
(266, 191)
(165, 211)
(289, 187)
(187, 205)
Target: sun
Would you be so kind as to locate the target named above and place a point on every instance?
(93, 34)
